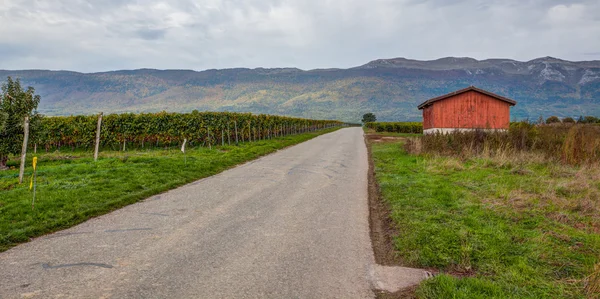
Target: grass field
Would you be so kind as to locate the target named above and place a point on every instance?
(516, 227)
(72, 187)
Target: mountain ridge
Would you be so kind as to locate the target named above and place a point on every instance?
(390, 88)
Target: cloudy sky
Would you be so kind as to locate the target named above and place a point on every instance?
(105, 35)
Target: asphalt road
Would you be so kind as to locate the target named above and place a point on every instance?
(293, 224)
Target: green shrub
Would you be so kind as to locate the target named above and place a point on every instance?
(396, 127)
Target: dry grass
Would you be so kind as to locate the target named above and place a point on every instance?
(572, 197)
(592, 286)
(574, 145)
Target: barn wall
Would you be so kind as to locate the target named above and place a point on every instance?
(428, 117)
(471, 110)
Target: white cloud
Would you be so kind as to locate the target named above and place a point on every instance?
(567, 14)
(124, 34)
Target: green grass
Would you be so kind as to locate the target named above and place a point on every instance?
(73, 188)
(509, 229)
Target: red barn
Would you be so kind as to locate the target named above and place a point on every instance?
(466, 109)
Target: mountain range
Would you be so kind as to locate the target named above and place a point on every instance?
(390, 88)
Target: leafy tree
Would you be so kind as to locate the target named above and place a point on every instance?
(591, 120)
(3, 117)
(568, 120)
(369, 117)
(552, 120)
(15, 104)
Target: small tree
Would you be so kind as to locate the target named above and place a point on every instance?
(568, 120)
(591, 120)
(369, 117)
(553, 120)
(541, 120)
(15, 104)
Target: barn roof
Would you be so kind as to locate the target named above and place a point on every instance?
(470, 88)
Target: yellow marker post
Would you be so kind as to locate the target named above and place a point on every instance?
(32, 183)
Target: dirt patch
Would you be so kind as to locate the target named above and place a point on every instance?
(407, 293)
(380, 138)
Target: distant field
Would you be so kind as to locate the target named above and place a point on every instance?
(495, 227)
(73, 188)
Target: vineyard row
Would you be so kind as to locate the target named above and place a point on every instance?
(166, 129)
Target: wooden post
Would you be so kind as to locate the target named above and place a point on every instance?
(24, 149)
(98, 136)
(209, 141)
(228, 134)
(236, 133)
(222, 138)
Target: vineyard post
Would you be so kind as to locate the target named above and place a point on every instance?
(228, 134)
(98, 137)
(208, 134)
(183, 151)
(222, 138)
(236, 133)
(24, 149)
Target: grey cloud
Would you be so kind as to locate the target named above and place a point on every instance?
(151, 34)
(123, 34)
